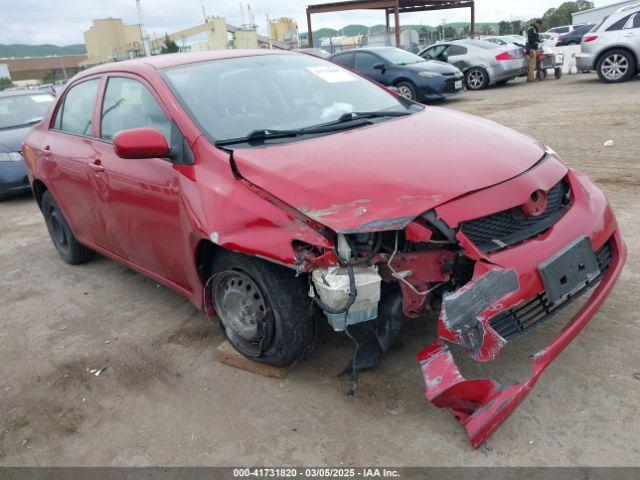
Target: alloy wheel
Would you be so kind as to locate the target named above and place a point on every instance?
(476, 79)
(615, 67)
(405, 91)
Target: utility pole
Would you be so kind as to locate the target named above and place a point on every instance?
(143, 35)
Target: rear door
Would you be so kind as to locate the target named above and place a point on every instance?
(140, 199)
(631, 35)
(69, 155)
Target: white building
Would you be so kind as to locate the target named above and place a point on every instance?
(596, 14)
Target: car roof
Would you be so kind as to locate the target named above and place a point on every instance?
(25, 91)
(159, 62)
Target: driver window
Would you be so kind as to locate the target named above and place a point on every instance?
(128, 104)
(365, 61)
(435, 52)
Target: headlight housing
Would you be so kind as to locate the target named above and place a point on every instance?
(10, 157)
(428, 74)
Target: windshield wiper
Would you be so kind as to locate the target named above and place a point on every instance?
(345, 122)
(21, 125)
(356, 115)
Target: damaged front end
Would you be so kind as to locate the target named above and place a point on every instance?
(488, 277)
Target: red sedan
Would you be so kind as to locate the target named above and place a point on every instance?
(279, 189)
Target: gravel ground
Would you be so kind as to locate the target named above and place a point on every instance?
(165, 400)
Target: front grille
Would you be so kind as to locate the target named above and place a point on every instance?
(450, 86)
(510, 227)
(518, 321)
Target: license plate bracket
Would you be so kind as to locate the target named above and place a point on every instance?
(569, 270)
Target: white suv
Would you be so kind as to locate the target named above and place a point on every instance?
(612, 48)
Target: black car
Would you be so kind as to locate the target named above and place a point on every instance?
(19, 110)
(411, 75)
(575, 37)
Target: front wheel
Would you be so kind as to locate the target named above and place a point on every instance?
(62, 237)
(264, 309)
(477, 78)
(616, 66)
(407, 90)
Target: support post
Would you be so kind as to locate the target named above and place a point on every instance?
(309, 31)
(387, 40)
(396, 14)
(473, 20)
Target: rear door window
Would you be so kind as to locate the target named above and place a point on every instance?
(619, 25)
(636, 21)
(456, 50)
(129, 104)
(345, 59)
(76, 114)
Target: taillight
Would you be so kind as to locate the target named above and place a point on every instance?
(505, 56)
(590, 38)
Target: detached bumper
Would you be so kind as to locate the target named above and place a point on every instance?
(506, 282)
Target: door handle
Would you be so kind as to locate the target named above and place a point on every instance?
(96, 166)
(47, 151)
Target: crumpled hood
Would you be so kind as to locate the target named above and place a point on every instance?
(377, 177)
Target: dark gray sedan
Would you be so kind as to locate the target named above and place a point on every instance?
(19, 110)
(483, 63)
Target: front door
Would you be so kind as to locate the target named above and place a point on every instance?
(140, 199)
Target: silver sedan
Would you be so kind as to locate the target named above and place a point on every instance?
(483, 63)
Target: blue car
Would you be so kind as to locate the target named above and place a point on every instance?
(19, 111)
(411, 75)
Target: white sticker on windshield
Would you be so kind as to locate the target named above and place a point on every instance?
(332, 74)
(41, 98)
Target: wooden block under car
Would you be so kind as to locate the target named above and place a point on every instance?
(229, 356)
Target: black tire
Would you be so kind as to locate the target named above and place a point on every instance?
(407, 89)
(264, 309)
(62, 237)
(558, 73)
(477, 78)
(616, 66)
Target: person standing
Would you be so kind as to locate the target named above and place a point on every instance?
(533, 42)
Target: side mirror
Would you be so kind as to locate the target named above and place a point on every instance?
(139, 143)
(379, 66)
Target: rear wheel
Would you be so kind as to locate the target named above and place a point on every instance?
(263, 308)
(477, 78)
(616, 66)
(407, 90)
(63, 239)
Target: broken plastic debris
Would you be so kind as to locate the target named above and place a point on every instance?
(107, 342)
(636, 375)
(609, 143)
(96, 371)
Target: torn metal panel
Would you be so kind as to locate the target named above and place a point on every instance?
(482, 405)
(464, 314)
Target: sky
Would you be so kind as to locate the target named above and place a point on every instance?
(62, 22)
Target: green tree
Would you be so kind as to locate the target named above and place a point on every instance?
(5, 83)
(486, 30)
(504, 28)
(423, 34)
(516, 27)
(169, 46)
(563, 15)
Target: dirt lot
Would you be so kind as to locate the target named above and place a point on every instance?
(165, 400)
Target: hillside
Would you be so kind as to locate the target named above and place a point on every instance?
(352, 30)
(21, 50)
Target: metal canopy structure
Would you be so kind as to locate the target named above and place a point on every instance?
(391, 7)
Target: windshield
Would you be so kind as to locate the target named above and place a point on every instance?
(232, 98)
(399, 57)
(23, 110)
